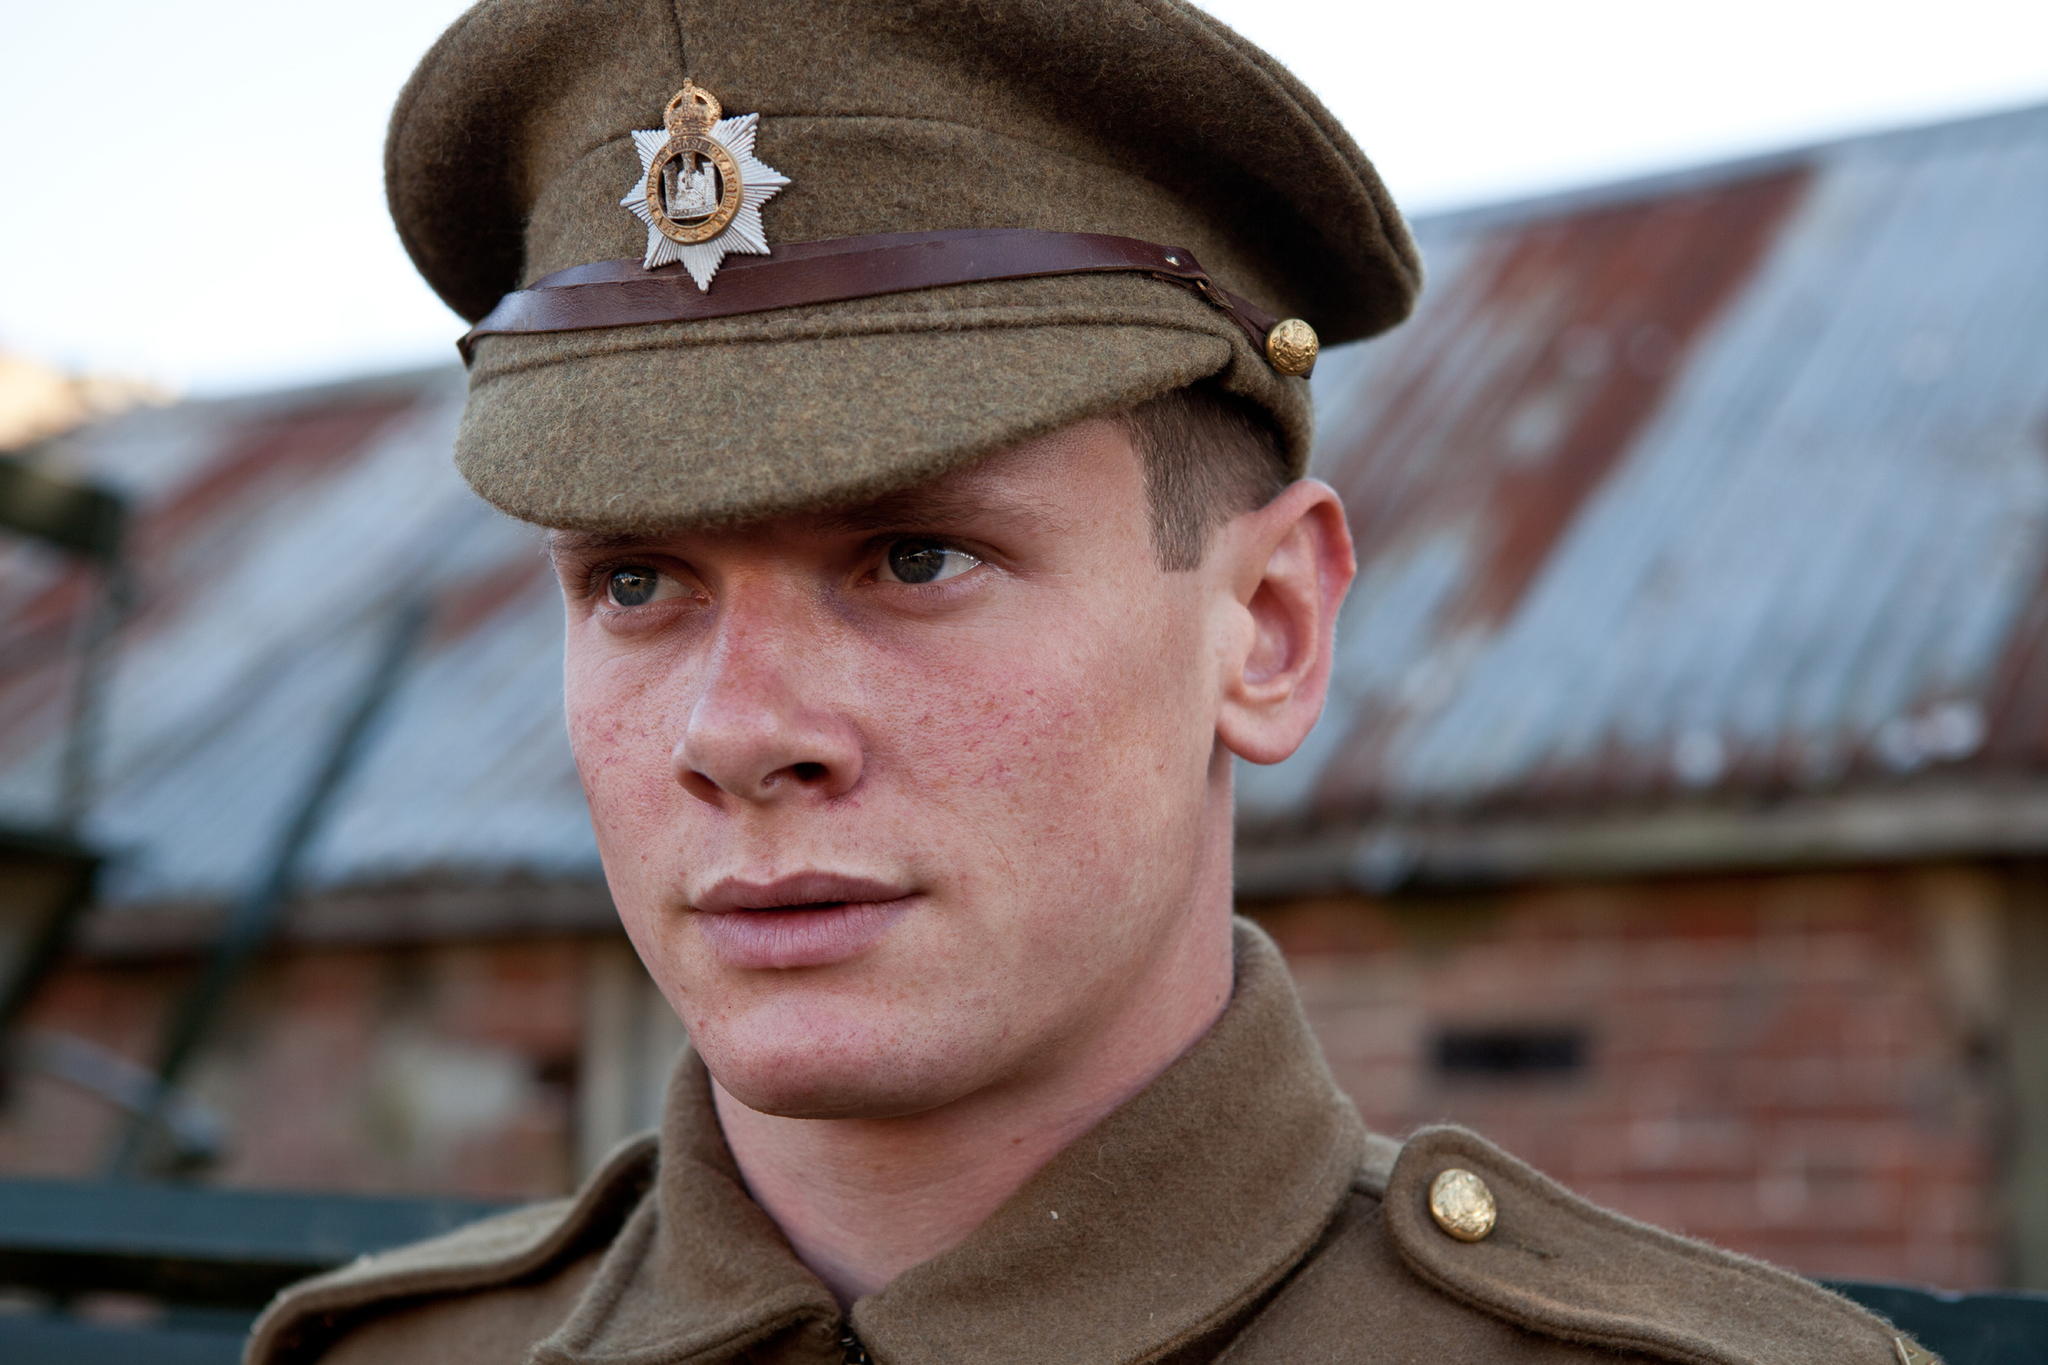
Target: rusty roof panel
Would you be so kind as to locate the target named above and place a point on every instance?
(1817, 555)
(275, 539)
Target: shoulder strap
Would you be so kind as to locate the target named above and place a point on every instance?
(492, 1252)
(1555, 1264)
(1377, 1166)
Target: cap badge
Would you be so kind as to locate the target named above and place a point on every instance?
(701, 187)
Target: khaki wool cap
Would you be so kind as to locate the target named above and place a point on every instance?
(512, 143)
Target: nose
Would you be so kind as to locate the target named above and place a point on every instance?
(765, 726)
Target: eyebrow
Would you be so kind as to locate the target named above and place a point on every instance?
(927, 507)
(592, 542)
(911, 509)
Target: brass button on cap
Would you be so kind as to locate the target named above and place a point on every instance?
(1461, 1205)
(1291, 347)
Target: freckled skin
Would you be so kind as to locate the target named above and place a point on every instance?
(1035, 750)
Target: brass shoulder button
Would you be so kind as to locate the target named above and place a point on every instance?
(1291, 347)
(1464, 1208)
(1912, 1352)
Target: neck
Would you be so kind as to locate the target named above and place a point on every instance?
(862, 1200)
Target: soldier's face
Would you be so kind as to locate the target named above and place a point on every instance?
(902, 803)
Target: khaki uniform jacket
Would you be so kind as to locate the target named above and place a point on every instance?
(1235, 1210)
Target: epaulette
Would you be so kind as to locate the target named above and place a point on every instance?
(305, 1317)
(1518, 1245)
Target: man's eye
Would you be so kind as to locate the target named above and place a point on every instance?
(635, 585)
(926, 561)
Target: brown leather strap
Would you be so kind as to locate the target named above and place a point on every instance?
(623, 294)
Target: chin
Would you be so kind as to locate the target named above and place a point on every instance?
(796, 1064)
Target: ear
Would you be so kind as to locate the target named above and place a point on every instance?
(1290, 564)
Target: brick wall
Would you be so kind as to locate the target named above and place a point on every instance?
(446, 1068)
(1801, 1068)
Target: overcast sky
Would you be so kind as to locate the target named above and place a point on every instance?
(189, 191)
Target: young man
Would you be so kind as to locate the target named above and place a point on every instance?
(926, 500)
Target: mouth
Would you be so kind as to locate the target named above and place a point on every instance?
(809, 919)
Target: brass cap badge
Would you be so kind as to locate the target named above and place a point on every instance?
(701, 187)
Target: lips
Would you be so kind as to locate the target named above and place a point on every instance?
(808, 919)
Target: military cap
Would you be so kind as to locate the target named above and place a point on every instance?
(735, 260)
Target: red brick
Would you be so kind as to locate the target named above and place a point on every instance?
(1772, 1062)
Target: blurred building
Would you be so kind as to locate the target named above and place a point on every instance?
(1679, 816)
(447, 1004)
(1679, 811)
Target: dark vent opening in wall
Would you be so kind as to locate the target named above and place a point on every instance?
(1498, 1053)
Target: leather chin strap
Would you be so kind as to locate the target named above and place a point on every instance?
(623, 294)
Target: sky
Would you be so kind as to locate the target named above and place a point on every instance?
(191, 193)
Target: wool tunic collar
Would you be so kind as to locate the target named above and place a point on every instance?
(1177, 1214)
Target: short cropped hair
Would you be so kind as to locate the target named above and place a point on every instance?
(1208, 456)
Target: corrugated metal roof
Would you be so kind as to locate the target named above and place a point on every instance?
(1737, 483)
(275, 539)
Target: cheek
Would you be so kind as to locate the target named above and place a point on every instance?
(617, 709)
(1062, 745)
